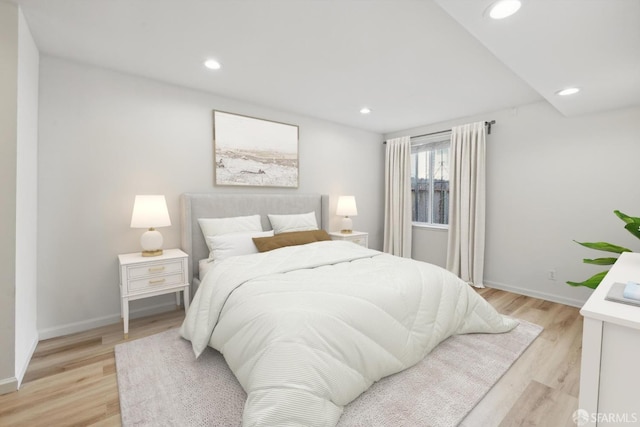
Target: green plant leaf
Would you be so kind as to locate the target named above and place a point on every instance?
(603, 246)
(600, 261)
(633, 228)
(591, 282)
(626, 218)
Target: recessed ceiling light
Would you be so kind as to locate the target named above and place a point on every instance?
(568, 91)
(503, 8)
(212, 64)
(365, 110)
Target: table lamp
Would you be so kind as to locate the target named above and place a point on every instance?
(347, 207)
(150, 212)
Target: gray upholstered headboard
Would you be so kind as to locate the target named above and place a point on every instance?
(222, 205)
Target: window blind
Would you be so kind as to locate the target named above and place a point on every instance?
(430, 142)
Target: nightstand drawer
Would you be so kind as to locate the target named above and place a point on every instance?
(158, 281)
(358, 237)
(154, 270)
(362, 241)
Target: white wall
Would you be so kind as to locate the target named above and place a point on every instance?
(18, 192)
(550, 180)
(106, 136)
(8, 147)
(26, 199)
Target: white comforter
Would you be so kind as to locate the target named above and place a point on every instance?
(306, 329)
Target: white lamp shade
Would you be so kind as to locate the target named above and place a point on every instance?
(150, 212)
(347, 206)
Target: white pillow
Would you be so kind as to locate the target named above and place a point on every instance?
(215, 226)
(233, 244)
(297, 222)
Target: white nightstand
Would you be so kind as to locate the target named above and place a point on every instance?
(610, 348)
(358, 237)
(143, 277)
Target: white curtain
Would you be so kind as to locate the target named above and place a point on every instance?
(397, 198)
(465, 253)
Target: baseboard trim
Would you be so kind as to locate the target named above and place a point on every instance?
(8, 385)
(535, 294)
(85, 325)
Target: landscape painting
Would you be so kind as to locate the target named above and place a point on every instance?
(254, 152)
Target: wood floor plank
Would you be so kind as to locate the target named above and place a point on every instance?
(540, 405)
(72, 380)
(68, 364)
(562, 365)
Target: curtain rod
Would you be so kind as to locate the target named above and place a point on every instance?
(487, 124)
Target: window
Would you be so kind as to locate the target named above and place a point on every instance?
(430, 179)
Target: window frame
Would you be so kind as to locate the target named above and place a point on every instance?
(430, 143)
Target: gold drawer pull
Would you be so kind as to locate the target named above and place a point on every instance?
(156, 269)
(154, 282)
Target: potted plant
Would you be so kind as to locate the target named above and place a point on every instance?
(632, 225)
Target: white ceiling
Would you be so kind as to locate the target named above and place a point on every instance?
(413, 62)
(555, 44)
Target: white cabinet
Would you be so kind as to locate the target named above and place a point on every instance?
(143, 277)
(609, 375)
(358, 237)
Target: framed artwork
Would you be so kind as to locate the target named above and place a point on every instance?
(254, 152)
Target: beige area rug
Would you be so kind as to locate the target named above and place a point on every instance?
(161, 384)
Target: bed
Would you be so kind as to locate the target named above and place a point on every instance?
(307, 328)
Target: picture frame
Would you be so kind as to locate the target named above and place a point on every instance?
(254, 152)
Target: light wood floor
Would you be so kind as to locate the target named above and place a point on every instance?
(71, 381)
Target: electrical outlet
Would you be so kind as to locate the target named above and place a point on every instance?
(551, 274)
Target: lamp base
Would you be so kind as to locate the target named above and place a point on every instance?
(156, 252)
(347, 225)
(151, 242)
